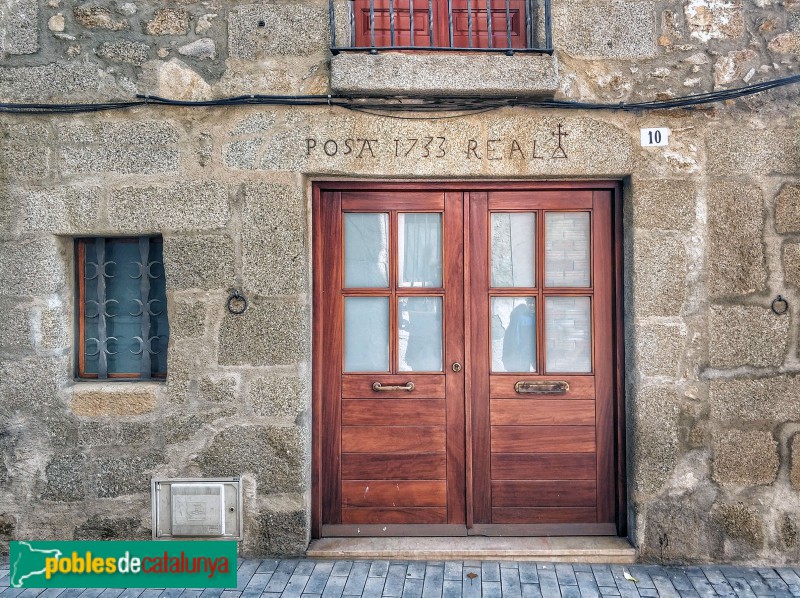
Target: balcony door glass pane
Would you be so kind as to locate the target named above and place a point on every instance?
(567, 249)
(419, 250)
(366, 334)
(419, 331)
(513, 330)
(366, 250)
(514, 249)
(568, 334)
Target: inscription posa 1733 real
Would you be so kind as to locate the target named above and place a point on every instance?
(437, 147)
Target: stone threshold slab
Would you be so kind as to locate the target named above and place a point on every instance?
(576, 549)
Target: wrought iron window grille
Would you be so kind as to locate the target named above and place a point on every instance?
(441, 25)
(123, 331)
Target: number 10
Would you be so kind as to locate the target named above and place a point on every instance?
(655, 136)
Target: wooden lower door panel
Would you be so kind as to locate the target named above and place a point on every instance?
(527, 412)
(543, 439)
(388, 412)
(393, 439)
(546, 493)
(535, 515)
(398, 515)
(544, 466)
(390, 493)
(390, 473)
(408, 466)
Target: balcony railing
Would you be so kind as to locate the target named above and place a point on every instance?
(506, 26)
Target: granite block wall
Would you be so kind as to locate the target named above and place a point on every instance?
(712, 237)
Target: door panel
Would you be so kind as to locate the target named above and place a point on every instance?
(544, 466)
(465, 362)
(395, 410)
(379, 493)
(382, 466)
(378, 200)
(543, 439)
(580, 387)
(360, 387)
(394, 515)
(503, 23)
(543, 515)
(603, 265)
(386, 412)
(540, 199)
(509, 412)
(402, 23)
(393, 439)
(532, 493)
(542, 384)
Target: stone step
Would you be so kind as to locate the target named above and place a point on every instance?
(576, 549)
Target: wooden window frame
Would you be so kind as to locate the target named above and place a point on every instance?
(394, 292)
(541, 291)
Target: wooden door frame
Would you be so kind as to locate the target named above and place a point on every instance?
(319, 337)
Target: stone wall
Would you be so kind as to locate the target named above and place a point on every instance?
(712, 236)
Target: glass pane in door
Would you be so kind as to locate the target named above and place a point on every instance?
(513, 249)
(366, 250)
(366, 334)
(568, 334)
(419, 331)
(419, 250)
(513, 332)
(567, 254)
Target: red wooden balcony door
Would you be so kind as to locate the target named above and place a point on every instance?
(506, 23)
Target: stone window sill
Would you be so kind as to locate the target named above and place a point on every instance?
(119, 398)
(444, 74)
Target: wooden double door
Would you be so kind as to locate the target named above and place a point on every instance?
(465, 360)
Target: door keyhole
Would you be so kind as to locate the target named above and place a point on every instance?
(456, 367)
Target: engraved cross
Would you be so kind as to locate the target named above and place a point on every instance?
(559, 151)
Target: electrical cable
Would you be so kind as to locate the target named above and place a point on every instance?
(383, 105)
(449, 116)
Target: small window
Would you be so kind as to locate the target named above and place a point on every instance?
(123, 330)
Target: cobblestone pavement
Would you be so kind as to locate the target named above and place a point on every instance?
(306, 578)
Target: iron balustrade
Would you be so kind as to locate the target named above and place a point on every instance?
(507, 26)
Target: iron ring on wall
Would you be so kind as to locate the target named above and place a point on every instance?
(780, 305)
(237, 298)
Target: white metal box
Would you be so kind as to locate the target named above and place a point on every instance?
(197, 508)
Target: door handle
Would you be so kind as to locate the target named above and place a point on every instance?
(378, 387)
(557, 387)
